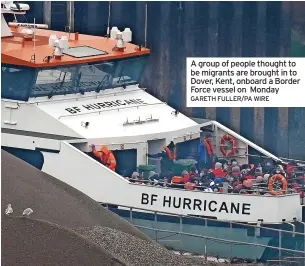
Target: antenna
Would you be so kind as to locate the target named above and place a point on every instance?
(68, 27)
(109, 15)
(70, 19)
(145, 32)
(33, 57)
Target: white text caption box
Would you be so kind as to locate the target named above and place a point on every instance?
(245, 82)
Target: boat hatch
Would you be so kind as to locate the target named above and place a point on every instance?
(84, 51)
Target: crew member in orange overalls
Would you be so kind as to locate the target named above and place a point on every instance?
(106, 156)
(168, 156)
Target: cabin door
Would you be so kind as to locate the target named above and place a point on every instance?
(156, 146)
(126, 161)
(188, 149)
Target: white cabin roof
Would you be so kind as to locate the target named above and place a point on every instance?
(110, 111)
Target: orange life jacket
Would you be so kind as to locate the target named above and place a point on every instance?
(209, 146)
(171, 155)
(109, 161)
(106, 156)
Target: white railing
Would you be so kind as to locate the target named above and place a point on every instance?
(181, 233)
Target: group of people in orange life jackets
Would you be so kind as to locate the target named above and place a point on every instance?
(168, 155)
(206, 159)
(107, 158)
(205, 156)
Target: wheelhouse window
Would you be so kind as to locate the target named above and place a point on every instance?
(88, 77)
(16, 82)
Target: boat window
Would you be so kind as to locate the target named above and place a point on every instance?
(60, 80)
(88, 77)
(128, 71)
(16, 82)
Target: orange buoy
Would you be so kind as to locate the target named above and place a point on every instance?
(277, 177)
(223, 140)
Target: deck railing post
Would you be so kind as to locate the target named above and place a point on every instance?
(205, 249)
(303, 233)
(231, 245)
(181, 229)
(280, 247)
(156, 230)
(130, 213)
(206, 240)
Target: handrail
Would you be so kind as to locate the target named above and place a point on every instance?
(280, 261)
(282, 158)
(293, 227)
(293, 258)
(108, 110)
(263, 190)
(287, 159)
(222, 239)
(206, 219)
(248, 142)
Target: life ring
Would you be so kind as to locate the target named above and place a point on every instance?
(274, 178)
(223, 141)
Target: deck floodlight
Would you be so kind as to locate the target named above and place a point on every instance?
(59, 45)
(120, 42)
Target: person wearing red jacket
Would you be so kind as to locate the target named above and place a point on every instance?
(218, 171)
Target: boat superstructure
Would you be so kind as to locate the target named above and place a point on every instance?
(55, 107)
(62, 92)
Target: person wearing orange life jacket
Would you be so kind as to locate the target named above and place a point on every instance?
(206, 152)
(168, 156)
(106, 156)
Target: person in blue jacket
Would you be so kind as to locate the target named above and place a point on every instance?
(206, 152)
